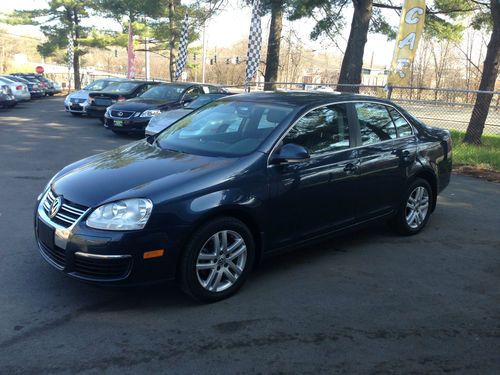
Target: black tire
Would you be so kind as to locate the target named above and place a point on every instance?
(187, 273)
(400, 221)
(76, 114)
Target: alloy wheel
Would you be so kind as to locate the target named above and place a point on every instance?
(221, 261)
(417, 207)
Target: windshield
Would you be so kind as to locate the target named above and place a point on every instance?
(228, 128)
(98, 85)
(120, 87)
(202, 100)
(164, 92)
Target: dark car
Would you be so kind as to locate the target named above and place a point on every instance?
(7, 99)
(115, 92)
(236, 180)
(165, 119)
(34, 89)
(132, 116)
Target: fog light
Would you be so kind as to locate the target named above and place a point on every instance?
(153, 254)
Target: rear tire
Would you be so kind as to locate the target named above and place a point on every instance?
(415, 208)
(217, 260)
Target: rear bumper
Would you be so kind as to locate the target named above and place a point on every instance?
(23, 97)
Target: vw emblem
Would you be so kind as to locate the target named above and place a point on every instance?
(55, 206)
(120, 114)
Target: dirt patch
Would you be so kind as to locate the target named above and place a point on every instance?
(478, 172)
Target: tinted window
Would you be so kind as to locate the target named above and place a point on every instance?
(375, 123)
(402, 126)
(193, 92)
(203, 99)
(228, 128)
(163, 92)
(120, 87)
(322, 130)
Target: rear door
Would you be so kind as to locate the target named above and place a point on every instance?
(315, 196)
(383, 159)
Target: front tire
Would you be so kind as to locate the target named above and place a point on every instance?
(217, 260)
(415, 209)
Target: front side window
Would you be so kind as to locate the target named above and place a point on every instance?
(322, 130)
(224, 128)
(375, 123)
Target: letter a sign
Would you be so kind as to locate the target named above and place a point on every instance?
(410, 30)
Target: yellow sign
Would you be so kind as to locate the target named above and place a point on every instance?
(410, 31)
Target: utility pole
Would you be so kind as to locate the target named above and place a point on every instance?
(146, 59)
(204, 52)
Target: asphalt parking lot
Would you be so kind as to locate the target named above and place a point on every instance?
(370, 303)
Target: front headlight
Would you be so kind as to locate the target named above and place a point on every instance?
(150, 113)
(66, 99)
(128, 214)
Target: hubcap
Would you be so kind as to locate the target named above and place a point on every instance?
(417, 207)
(221, 261)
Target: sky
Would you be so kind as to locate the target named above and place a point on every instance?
(233, 24)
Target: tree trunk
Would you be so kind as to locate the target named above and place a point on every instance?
(76, 52)
(273, 45)
(352, 64)
(488, 78)
(171, 42)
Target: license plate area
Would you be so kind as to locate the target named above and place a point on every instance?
(45, 234)
(118, 123)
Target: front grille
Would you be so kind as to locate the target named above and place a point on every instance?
(102, 268)
(121, 114)
(68, 213)
(76, 100)
(55, 254)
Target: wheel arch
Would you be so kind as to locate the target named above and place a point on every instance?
(431, 178)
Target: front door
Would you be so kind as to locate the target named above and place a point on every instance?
(315, 196)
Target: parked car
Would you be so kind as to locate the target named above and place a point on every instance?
(165, 119)
(57, 87)
(19, 89)
(7, 99)
(115, 92)
(77, 102)
(35, 79)
(48, 85)
(272, 171)
(33, 88)
(133, 115)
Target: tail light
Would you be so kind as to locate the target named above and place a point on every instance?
(19, 88)
(35, 87)
(121, 98)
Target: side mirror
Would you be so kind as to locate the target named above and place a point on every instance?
(289, 153)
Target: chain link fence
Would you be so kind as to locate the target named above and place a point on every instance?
(440, 107)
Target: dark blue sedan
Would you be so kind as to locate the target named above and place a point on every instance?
(239, 179)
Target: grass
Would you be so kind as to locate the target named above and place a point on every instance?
(485, 156)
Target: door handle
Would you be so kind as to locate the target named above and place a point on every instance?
(350, 168)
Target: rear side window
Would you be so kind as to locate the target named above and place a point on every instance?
(402, 126)
(322, 130)
(375, 123)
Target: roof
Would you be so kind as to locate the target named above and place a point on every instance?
(301, 98)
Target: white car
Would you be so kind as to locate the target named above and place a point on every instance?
(165, 119)
(77, 102)
(19, 90)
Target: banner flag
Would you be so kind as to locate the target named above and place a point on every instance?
(254, 42)
(410, 32)
(130, 53)
(71, 55)
(183, 44)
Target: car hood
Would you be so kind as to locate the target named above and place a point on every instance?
(80, 94)
(165, 119)
(136, 170)
(140, 104)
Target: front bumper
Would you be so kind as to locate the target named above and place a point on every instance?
(130, 125)
(75, 107)
(105, 257)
